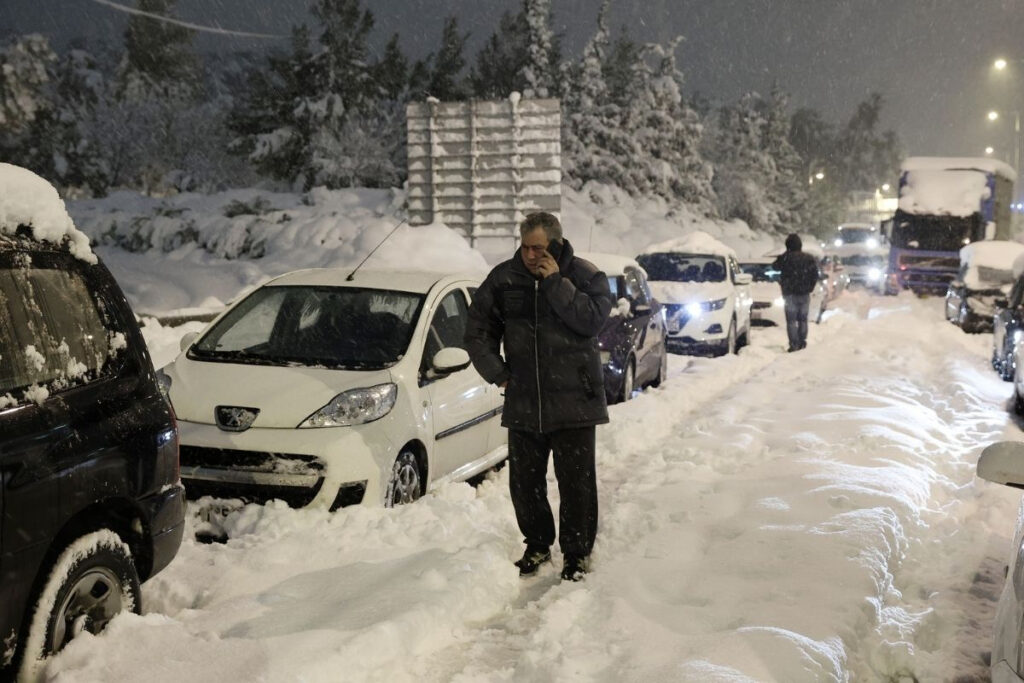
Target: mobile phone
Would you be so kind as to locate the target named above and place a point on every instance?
(555, 249)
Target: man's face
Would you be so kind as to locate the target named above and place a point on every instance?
(535, 243)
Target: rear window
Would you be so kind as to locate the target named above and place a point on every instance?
(52, 333)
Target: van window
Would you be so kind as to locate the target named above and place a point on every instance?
(52, 332)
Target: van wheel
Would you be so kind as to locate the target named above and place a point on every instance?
(662, 369)
(406, 483)
(93, 580)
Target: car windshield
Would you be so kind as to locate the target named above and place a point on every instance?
(856, 235)
(335, 327)
(761, 272)
(677, 267)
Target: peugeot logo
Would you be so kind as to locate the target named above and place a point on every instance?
(234, 418)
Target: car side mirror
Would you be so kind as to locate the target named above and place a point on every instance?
(187, 339)
(450, 359)
(744, 278)
(1003, 463)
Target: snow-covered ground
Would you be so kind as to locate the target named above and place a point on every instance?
(768, 516)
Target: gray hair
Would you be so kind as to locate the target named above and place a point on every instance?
(544, 220)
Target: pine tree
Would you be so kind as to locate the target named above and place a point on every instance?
(539, 72)
(445, 81)
(391, 73)
(158, 55)
(787, 184)
(497, 72)
(26, 65)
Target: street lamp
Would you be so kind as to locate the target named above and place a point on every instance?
(989, 150)
(994, 115)
(999, 64)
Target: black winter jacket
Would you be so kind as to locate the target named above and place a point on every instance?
(799, 272)
(549, 329)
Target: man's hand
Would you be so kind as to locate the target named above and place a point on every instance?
(547, 265)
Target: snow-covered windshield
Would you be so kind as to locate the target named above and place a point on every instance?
(337, 327)
(761, 272)
(675, 267)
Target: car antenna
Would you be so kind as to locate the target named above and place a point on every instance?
(352, 275)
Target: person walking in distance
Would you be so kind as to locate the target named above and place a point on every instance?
(798, 280)
(546, 306)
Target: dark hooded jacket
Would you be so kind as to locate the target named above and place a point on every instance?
(799, 269)
(549, 329)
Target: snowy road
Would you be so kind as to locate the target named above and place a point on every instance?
(769, 517)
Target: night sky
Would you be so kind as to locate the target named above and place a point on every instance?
(931, 59)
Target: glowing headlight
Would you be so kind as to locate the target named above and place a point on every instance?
(694, 309)
(872, 243)
(779, 302)
(1017, 335)
(355, 407)
(838, 242)
(874, 274)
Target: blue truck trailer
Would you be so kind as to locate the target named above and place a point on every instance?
(944, 204)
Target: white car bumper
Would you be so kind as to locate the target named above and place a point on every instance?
(326, 467)
(709, 328)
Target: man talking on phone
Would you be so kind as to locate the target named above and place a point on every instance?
(546, 306)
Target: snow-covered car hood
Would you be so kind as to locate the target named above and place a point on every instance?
(668, 292)
(765, 291)
(285, 396)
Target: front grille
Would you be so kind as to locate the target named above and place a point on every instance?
(758, 305)
(294, 496)
(250, 461)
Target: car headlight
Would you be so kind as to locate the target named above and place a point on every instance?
(1017, 334)
(694, 309)
(355, 407)
(838, 242)
(872, 243)
(874, 274)
(779, 302)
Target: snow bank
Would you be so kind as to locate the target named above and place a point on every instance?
(27, 199)
(606, 219)
(202, 251)
(943, 193)
(609, 264)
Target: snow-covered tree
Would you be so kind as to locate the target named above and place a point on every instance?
(539, 73)
(25, 74)
(444, 68)
(158, 54)
(498, 69)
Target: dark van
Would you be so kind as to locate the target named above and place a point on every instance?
(90, 498)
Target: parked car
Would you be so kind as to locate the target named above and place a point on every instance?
(705, 294)
(768, 307)
(836, 279)
(985, 276)
(331, 389)
(632, 341)
(1003, 463)
(1008, 330)
(89, 484)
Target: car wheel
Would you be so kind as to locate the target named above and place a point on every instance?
(730, 341)
(628, 379)
(1005, 366)
(93, 580)
(821, 313)
(1018, 403)
(406, 483)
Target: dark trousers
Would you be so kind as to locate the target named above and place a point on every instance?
(797, 306)
(577, 486)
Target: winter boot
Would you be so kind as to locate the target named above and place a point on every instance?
(575, 567)
(532, 559)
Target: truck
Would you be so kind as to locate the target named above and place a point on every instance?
(945, 203)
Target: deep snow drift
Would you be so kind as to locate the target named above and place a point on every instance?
(766, 516)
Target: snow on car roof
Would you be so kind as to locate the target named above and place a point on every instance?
(954, 163)
(29, 200)
(995, 254)
(610, 264)
(698, 242)
(398, 280)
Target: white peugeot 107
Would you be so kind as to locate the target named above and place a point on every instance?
(329, 389)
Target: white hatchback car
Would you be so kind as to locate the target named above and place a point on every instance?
(326, 389)
(705, 295)
(768, 308)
